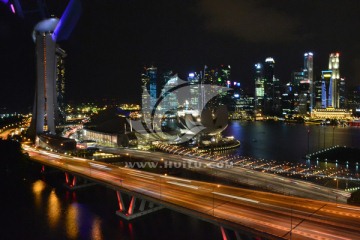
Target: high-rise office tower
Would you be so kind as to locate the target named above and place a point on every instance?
(224, 74)
(145, 97)
(151, 73)
(169, 98)
(327, 89)
(297, 80)
(318, 93)
(334, 66)
(309, 77)
(45, 106)
(195, 91)
(60, 81)
(288, 99)
(216, 77)
(269, 69)
(342, 94)
(259, 88)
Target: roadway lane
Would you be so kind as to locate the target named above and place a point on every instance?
(241, 175)
(267, 212)
(5, 133)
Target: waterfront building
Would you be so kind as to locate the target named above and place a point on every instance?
(331, 113)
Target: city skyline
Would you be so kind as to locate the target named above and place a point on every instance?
(217, 120)
(184, 42)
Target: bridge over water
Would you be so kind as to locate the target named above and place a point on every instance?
(235, 210)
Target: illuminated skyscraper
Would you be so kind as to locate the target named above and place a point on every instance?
(151, 74)
(169, 98)
(334, 66)
(224, 74)
(259, 88)
(269, 68)
(326, 89)
(60, 81)
(45, 106)
(145, 98)
(309, 77)
(297, 80)
(49, 66)
(195, 91)
(342, 92)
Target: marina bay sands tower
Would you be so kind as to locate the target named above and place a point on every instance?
(45, 106)
(46, 34)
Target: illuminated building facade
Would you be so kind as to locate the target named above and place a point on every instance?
(331, 113)
(309, 78)
(45, 105)
(195, 91)
(334, 66)
(219, 76)
(326, 89)
(151, 72)
(259, 88)
(354, 100)
(169, 98)
(342, 94)
(269, 68)
(318, 93)
(60, 81)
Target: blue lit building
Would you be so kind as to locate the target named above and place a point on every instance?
(151, 72)
(327, 89)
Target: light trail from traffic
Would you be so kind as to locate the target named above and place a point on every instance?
(265, 212)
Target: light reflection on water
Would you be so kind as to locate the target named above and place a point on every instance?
(96, 233)
(72, 221)
(289, 143)
(54, 209)
(37, 188)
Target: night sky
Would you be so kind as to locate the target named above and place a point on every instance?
(115, 38)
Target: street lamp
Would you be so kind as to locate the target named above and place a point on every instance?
(333, 141)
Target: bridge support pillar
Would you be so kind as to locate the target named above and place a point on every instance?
(73, 182)
(129, 207)
(47, 170)
(228, 234)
